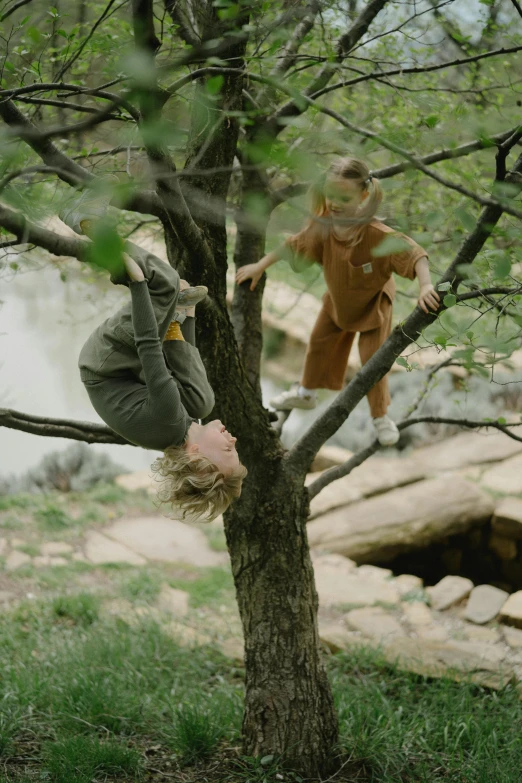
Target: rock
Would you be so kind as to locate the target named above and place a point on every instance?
(16, 560)
(381, 474)
(339, 493)
(505, 548)
(338, 582)
(58, 561)
(172, 601)
(507, 519)
(16, 543)
(337, 638)
(417, 613)
(139, 480)
(185, 635)
(374, 622)
(458, 660)
(234, 649)
(41, 561)
(408, 583)
(79, 557)
(6, 596)
(402, 520)
(333, 560)
(467, 448)
(512, 636)
(3, 545)
(328, 457)
(100, 549)
(479, 633)
(167, 540)
(433, 633)
(449, 591)
(374, 572)
(484, 604)
(56, 548)
(511, 612)
(506, 478)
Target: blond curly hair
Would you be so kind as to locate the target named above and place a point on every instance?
(193, 486)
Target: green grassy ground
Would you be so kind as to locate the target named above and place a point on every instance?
(88, 696)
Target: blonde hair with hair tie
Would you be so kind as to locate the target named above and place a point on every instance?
(193, 486)
(357, 170)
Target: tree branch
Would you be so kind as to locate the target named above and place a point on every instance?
(303, 452)
(518, 7)
(14, 8)
(339, 471)
(59, 428)
(417, 163)
(162, 165)
(345, 43)
(72, 173)
(288, 55)
(417, 69)
(299, 188)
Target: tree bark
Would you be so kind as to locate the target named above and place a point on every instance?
(289, 708)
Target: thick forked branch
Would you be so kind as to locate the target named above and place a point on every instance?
(162, 165)
(339, 471)
(301, 455)
(59, 428)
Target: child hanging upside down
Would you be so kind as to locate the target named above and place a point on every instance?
(145, 379)
(351, 245)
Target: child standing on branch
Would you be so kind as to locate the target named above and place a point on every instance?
(145, 379)
(358, 254)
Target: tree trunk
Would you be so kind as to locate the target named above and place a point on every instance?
(252, 221)
(289, 707)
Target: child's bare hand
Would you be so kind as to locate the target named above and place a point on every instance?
(428, 298)
(183, 284)
(249, 272)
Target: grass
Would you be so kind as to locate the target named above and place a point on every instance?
(142, 586)
(213, 587)
(95, 694)
(80, 759)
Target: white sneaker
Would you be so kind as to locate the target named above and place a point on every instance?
(386, 431)
(290, 399)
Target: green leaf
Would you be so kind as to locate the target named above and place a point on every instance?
(450, 300)
(391, 244)
(444, 287)
(466, 218)
(214, 84)
(106, 249)
(402, 362)
(501, 420)
(470, 335)
(431, 121)
(266, 760)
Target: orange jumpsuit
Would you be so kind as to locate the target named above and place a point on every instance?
(359, 298)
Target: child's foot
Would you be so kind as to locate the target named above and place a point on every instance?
(386, 431)
(192, 295)
(292, 398)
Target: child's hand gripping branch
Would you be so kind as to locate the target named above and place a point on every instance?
(428, 297)
(254, 271)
